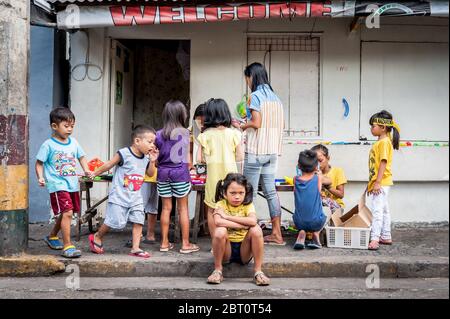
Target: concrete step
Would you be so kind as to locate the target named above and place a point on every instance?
(288, 267)
(416, 253)
(342, 267)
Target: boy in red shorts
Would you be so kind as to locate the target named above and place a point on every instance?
(56, 169)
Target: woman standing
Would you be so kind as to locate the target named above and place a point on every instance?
(264, 130)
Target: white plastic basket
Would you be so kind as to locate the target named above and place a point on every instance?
(348, 237)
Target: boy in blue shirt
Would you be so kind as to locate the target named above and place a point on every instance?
(56, 169)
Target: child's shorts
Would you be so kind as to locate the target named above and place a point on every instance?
(311, 226)
(117, 216)
(63, 202)
(174, 189)
(150, 195)
(236, 254)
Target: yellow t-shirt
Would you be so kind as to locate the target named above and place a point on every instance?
(151, 179)
(381, 150)
(219, 148)
(236, 235)
(337, 176)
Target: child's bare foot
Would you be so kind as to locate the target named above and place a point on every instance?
(150, 239)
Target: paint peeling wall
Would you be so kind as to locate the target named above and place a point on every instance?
(13, 105)
(14, 44)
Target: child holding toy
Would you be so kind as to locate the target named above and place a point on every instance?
(220, 149)
(309, 215)
(173, 177)
(237, 236)
(380, 176)
(125, 201)
(333, 179)
(56, 169)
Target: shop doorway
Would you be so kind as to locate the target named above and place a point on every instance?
(145, 74)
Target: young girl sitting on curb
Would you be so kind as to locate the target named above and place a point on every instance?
(237, 236)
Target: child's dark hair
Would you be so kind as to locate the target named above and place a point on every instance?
(257, 72)
(174, 116)
(217, 113)
(240, 179)
(322, 148)
(307, 161)
(200, 110)
(385, 115)
(61, 114)
(140, 130)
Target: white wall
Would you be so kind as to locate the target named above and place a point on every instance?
(218, 57)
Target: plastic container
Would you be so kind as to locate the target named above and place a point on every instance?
(348, 237)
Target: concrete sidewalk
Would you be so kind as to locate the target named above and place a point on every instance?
(419, 251)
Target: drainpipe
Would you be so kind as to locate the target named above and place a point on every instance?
(14, 48)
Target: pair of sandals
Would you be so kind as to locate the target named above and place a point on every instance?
(375, 244)
(300, 242)
(97, 248)
(193, 248)
(301, 245)
(260, 278)
(68, 252)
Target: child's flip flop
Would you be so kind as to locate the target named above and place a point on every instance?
(95, 248)
(166, 249)
(189, 250)
(272, 242)
(140, 254)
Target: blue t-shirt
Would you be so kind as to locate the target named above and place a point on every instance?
(60, 162)
(308, 213)
(262, 93)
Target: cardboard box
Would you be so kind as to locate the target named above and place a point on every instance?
(336, 218)
(359, 216)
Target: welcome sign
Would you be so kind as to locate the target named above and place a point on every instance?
(75, 17)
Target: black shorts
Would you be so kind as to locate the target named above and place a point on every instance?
(236, 254)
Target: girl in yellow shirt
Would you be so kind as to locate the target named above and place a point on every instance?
(220, 150)
(333, 180)
(380, 176)
(237, 236)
